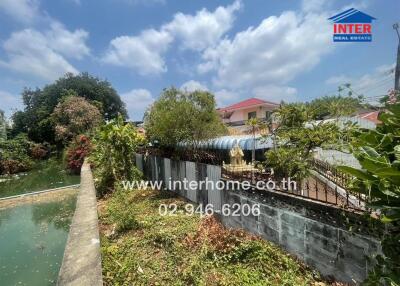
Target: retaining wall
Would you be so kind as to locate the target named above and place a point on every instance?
(81, 263)
(316, 233)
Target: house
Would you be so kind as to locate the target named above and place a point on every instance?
(237, 114)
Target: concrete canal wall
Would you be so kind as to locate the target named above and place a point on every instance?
(81, 264)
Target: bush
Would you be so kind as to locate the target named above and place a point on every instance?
(76, 153)
(40, 151)
(14, 155)
(378, 152)
(115, 145)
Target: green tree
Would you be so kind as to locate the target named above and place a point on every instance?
(334, 106)
(298, 132)
(39, 104)
(378, 152)
(179, 116)
(293, 155)
(74, 115)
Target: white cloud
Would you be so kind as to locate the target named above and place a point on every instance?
(276, 93)
(142, 53)
(42, 54)
(203, 29)
(224, 97)
(314, 5)
(9, 102)
(193, 85)
(374, 84)
(25, 11)
(274, 52)
(137, 101)
(70, 44)
(337, 80)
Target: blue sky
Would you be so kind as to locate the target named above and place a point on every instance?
(274, 50)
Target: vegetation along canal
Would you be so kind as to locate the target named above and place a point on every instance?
(46, 174)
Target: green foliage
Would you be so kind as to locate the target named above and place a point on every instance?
(120, 213)
(297, 136)
(288, 162)
(187, 250)
(295, 114)
(14, 155)
(292, 115)
(36, 121)
(178, 116)
(114, 147)
(378, 152)
(74, 115)
(334, 106)
(76, 153)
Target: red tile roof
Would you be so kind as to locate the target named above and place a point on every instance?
(246, 103)
(371, 116)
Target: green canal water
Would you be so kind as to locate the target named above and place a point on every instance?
(47, 174)
(34, 229)
(32, 241)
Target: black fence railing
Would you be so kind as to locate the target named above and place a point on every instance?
(311, 188)
(332, 173)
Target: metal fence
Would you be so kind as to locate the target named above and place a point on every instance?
(332, 173)
(326, 185)
(312, 188)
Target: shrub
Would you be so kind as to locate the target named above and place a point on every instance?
(40, 151)
(119, 213)
(76, 153)
(14, 155)
(378, 152)
(115, 145)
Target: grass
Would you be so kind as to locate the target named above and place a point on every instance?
(141, 247)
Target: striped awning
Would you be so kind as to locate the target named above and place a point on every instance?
(228, 142)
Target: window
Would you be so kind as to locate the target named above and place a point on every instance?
(268, 115)
(252, 115)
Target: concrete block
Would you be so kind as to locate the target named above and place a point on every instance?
(320, 242)
(345, 268)
(268, 233)
(353, 253)
(320, 255)
(267, 210)
(271, 222)
(291, 230)
(293, 220)
(293, 244)
(322, 229)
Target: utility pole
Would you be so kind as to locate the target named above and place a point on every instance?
(397, 73)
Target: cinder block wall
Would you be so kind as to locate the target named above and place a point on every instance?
(313, 232)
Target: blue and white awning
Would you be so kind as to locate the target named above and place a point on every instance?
(228, 142)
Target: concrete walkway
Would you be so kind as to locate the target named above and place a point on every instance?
(81, 264)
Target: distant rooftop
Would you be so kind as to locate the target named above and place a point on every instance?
(247, 103)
